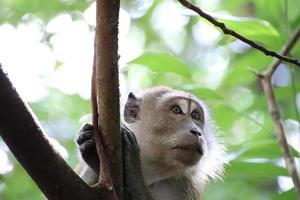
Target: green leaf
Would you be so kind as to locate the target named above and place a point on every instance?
(206, 93)
(162, 62)
(262, 149)
(73, 106)
(239, 71)
(258, 30)
(19, 185)
(284, 93)
(224, 115)
(256, 169)
(291, 194)
(13, 10)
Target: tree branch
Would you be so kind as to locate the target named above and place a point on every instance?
(273, 108)
(286, 49)
(21, 132)
(105, 180)
(228, 31)
(265, 79)
(108, 87)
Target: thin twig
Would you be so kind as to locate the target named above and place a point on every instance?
(228, 31)
(265, 79)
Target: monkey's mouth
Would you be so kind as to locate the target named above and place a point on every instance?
(194, 148)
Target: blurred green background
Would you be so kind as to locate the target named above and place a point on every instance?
(47, 48)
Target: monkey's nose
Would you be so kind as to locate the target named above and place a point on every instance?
(195, 132)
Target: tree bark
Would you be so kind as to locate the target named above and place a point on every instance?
(268, 89)
(27, 141)
(108, 87)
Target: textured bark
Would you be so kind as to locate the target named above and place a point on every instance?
(108, 87)
(27, 141)
(281, 137)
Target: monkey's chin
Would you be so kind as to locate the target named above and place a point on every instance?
(188, 155)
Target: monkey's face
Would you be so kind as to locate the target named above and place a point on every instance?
(181, 129)
(169, 126)
(175, 134)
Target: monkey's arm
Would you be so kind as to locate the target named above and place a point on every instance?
(134, 185)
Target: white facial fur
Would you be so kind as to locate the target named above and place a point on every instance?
(181, 145)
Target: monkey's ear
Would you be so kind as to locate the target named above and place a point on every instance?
(132, 108)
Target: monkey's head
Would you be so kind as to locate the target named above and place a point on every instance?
(174, 131)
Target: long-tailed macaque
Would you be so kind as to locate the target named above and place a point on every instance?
(179, 148)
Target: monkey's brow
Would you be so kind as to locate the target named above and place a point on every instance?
(189, 98)
(189, 101)
(162, 93)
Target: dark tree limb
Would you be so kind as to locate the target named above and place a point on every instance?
(228, 31)
(30, 146)
(108, 87)
(266, 82)
(27, 141)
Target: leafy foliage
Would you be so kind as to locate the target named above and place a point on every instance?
(190, 54)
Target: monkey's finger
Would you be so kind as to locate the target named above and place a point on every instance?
(87, 148)
(84, 136)
(86, 127)
(128, 145)
(132, 138)
(133, 142)
(131, 150)
(129, 134)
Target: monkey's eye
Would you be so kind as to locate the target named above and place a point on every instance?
(176, 110)
(195, 115)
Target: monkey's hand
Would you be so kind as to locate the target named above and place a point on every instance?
(134, 185)
(87, 147)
